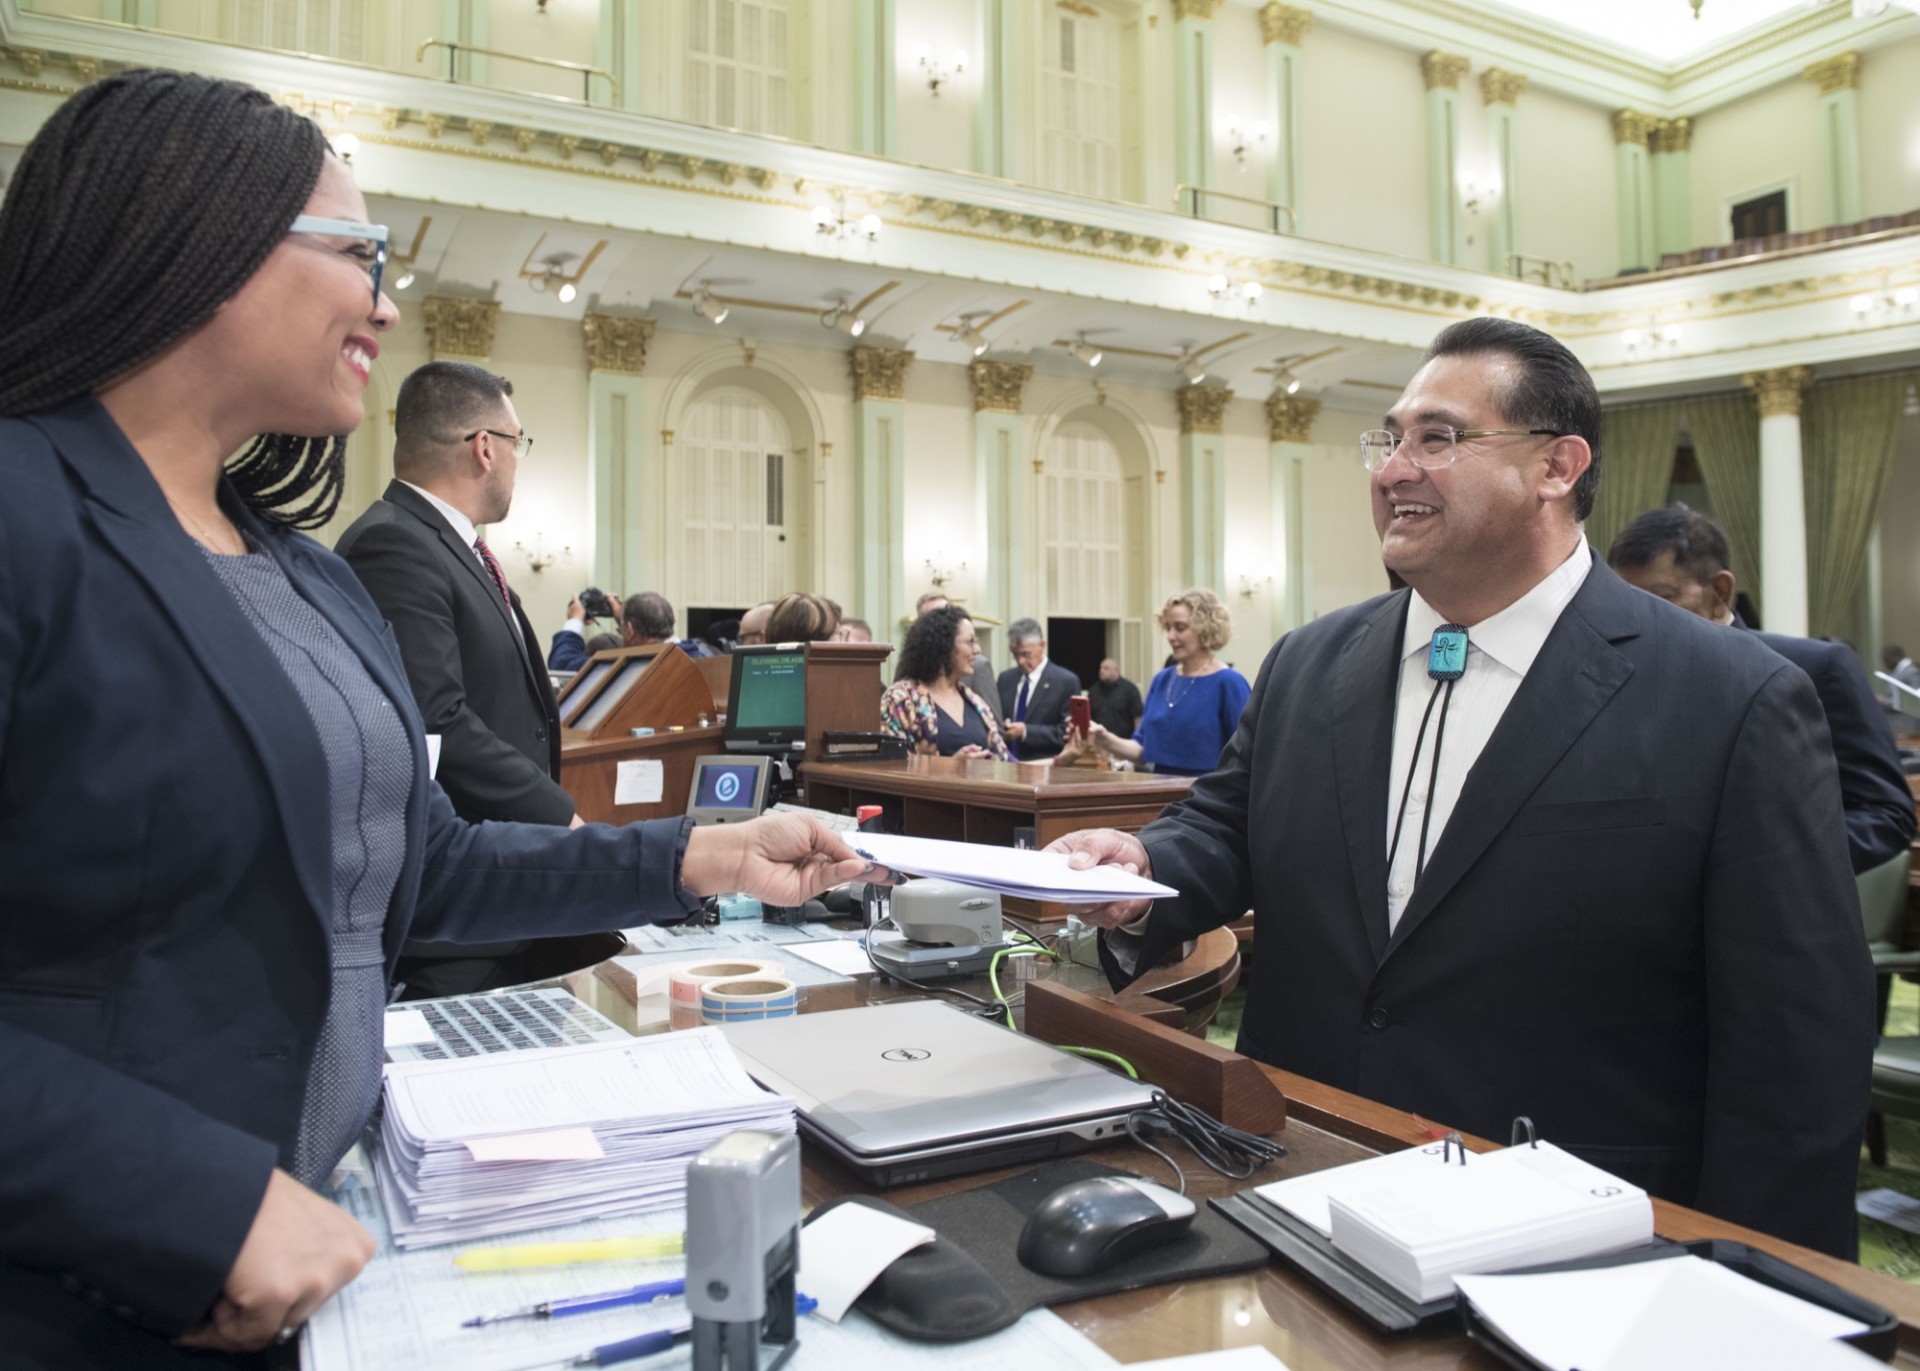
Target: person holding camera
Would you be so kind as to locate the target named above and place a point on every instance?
(593, 625)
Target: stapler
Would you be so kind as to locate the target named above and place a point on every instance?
(951, 929)
(743, 1251)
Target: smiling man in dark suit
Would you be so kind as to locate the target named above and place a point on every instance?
(1600, 879)
(472, 658)
(1033, 694)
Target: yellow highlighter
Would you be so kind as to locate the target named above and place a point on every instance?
(570, 1253)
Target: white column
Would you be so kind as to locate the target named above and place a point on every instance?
(1633, 179)
(1289, 445)
(1193, 94)
(993, 123)
(1673, 185)
(616, 355)
(1783, 500)
(1282, 27)
(879, 465)
(1443, 72)
(1203, 495)
(1838, 79)
(1002, 496)
(1501, 90)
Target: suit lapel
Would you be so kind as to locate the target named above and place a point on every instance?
(133, 519)
(1364, 683)
(1577, 672)
(403, 495)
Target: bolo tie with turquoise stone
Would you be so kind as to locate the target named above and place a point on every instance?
(1446, 663)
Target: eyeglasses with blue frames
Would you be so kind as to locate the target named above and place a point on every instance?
(522, 443)
(1432, 446)
(370, 259)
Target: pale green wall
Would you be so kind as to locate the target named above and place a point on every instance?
(1749, 146)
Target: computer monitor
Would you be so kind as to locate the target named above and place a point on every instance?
(726, 790)
(767, 699)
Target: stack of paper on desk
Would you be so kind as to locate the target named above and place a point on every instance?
(1522, 1206)
(486, 1145)
(1009, 870)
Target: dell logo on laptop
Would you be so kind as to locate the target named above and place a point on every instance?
(906, 1054)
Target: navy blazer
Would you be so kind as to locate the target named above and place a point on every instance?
(1638, 927)
(165, 870)
(1046, 709)
(1873, 787)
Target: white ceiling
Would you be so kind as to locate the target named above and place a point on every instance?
(1659, 30)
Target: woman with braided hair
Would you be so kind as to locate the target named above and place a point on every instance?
(216, 820)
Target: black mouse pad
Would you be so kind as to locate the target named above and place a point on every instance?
(969, 1282)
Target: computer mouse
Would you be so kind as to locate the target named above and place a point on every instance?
(1091, 1225)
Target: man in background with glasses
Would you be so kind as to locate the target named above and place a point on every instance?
(1520, 839)
(472, 658)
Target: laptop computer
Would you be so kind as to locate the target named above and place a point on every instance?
(908, 1092)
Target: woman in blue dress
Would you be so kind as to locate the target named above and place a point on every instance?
(1192, 706)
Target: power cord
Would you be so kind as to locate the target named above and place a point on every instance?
(1232, 1152)
(987, 1009)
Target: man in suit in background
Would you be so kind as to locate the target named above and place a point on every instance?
(473, 661)
(1606, 886)
(1034, 694)
(1681, 555)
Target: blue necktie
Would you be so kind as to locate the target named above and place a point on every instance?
(1020, 705)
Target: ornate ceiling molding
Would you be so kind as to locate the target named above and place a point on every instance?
(1778, 391)
(1284, 24)
(998, 387)
(879, 373)
(1443, 70)
(1203, 409)
(1835, 74)
(617, 344)
(460, 328)
(1290, 418)
(1499, 87)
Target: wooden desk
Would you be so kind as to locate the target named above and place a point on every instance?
(590, 770)
(1276, 1306)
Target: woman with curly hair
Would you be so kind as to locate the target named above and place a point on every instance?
(1192, 706)
(931, 705)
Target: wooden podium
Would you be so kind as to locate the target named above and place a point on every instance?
(658, 687)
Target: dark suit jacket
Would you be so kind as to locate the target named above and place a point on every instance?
(1046, 709)
(1638, 927)
(165, 875)
(1873, 787)
(474, 662)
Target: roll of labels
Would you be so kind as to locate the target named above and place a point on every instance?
(729, 991)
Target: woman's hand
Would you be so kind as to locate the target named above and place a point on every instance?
(783, 859)
(973, 750)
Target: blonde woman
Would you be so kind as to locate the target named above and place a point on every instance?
(1192, 706)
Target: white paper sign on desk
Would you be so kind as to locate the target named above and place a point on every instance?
(1009, 870)
(639, 783)
(844, 1250)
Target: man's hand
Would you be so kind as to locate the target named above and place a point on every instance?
(1015, 730)
(782, 859)
(576, 610)
(300, 1250)
(1091, 847)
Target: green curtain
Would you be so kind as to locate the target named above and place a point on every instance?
(1726, 443)
(1636, 467)
(1847, 433)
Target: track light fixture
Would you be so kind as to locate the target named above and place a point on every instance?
(1190, 366)
(843, 317)
(707, 307)
(405, 279)
(1084, 351)
(968, 332)
(552, 276)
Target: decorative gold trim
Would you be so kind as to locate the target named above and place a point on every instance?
(1499, 87)
(1443, 70)
(1778, 391)
(1284, 24)
(460, 327)
(1290, 418)
(1673, 135)
(998, 386)
(617, 344)
(879, 373)
(1203, 409)
(1631, 126)
(1835, 74)
(1194, 9)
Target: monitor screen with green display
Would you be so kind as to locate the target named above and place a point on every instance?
(767, 700)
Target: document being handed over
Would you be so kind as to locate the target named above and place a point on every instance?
(1009, 870)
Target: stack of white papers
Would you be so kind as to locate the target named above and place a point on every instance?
(1647, 1316)
(1522, 1206)
(480, 1146)
(1009, 870)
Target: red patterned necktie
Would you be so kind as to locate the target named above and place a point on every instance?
(492, 563)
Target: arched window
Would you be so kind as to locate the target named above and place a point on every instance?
(1086, 525)
(730, 501)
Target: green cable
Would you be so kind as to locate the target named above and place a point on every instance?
(993, 973)
(1115, 1058)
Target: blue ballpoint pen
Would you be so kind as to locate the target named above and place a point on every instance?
(582, 1304)
(648, 1344)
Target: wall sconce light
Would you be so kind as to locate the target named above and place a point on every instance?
(843, 317)
(538, 558)
(934, 71)
(554, 277)
(1650, 342)
(1252, 585)
(943, 576)
(1225, 291)
(1884, 304)
(1245, 138)
(707, 306)
(1190, 366)
(968, 332)
(832, 221)
(1083, 351)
